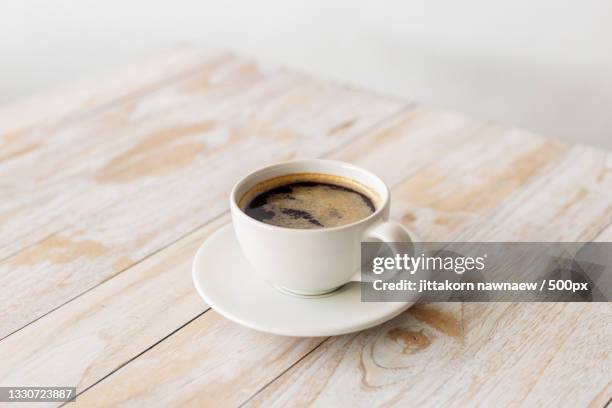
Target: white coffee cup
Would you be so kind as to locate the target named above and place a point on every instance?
(312, 261)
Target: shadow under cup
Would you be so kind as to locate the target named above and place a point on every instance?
(306, 262)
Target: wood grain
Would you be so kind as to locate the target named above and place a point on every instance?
(499, 361)
(110, 300)
(91, 312)
(506, 349)
(443, 322)
(149, 176)
(96, 333)
(100, 220)
(68, 178)
(23, 125)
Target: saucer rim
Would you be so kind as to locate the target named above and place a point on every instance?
(263, 327)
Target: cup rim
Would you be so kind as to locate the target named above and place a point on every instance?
(243, 216)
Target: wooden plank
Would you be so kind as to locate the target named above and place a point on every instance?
(112, 386)
(179, 113)
(93, 335)
(587, 346)
(505, 350)
(22, 124)
(55, 186)
(438, 205)
(412, 362)
(108, 305)
(268, 124)
(221, 343)
(412, 141)
(140, 308)
(554, 209)
(582, 361)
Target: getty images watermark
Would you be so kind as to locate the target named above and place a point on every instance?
(487, 271)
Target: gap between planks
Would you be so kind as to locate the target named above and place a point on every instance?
(141, 353)
(139, 261)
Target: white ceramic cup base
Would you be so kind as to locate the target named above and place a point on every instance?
(309, 296)
(227, 283)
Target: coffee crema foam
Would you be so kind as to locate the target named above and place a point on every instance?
(309, 201)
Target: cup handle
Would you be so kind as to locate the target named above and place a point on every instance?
(389, 232)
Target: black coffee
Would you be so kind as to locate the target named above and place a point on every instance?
(308, 201)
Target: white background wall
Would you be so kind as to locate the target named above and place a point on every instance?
(540, 64)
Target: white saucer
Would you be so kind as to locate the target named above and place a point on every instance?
(224, 279)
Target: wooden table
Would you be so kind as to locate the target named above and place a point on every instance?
(108, 187)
